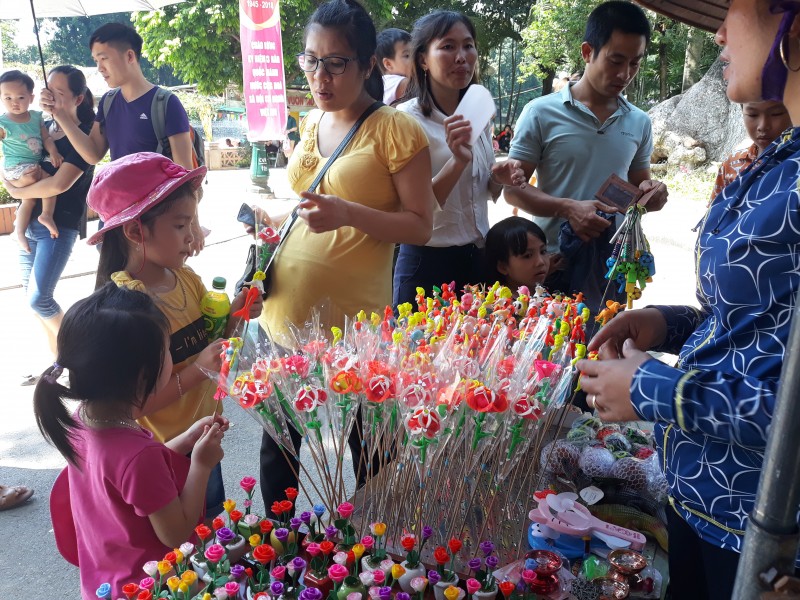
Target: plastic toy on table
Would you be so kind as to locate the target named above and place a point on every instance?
(564, 514)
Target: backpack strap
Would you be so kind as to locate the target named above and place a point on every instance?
(107, 100)
(158, 117)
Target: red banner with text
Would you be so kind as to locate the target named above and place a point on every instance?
(262, 61)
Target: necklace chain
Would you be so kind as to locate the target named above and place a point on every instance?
(124, 423)
(160, 300)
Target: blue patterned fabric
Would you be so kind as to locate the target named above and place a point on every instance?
(713, 410)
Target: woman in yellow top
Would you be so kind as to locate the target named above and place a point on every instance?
(376, 194)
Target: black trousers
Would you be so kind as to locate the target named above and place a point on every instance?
(697, 570)
(277, 475)
(426, 266)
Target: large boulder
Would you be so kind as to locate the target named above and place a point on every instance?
(699, 125)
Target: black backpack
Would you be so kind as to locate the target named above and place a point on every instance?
(158, 117)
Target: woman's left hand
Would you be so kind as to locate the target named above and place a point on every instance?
(607, 383)
(509, 172)
(255, 307)
(323, 212)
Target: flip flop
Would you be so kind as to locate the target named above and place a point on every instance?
(30, 379)
(13, 496)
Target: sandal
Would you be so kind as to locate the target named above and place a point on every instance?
(11, 497)
(29, 380)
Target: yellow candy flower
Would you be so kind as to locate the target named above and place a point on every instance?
(183, 588)
(451, 593)
(207, 596)
(178, 556)
(398, 571)
(254, 540)
(358, 551)
(173, 583)
(188, 577)
(228, 505)
(164, 567)
(378, 529)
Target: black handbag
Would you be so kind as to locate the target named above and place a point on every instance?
(251, 264)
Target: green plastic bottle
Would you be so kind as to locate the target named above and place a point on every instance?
(216, 306)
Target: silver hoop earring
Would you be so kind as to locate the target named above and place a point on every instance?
(785, 53)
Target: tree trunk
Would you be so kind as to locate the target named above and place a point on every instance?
(514, 91)
(691, 61)
(663, 70)
(547, 82)
(500, 84)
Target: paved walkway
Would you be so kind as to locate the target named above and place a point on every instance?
(28, 555)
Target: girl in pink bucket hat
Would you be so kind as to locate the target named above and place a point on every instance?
(148, 203)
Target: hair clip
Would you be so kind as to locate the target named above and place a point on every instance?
(54, 374)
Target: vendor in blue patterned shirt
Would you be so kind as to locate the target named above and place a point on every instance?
(713, 409)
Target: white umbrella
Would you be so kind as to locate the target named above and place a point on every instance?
(10, 9)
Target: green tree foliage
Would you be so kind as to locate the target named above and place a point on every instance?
(70, 41)
(199, 40)
(511, 90)
(12, 53)
(552, 41)
(69, 45)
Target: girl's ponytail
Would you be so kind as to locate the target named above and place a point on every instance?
(374, 85)
(86, 108)
(113, 256)
(52, 415)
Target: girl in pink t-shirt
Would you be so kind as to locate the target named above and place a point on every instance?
(124, 498)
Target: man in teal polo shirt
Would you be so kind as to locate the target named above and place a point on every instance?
(576, 138)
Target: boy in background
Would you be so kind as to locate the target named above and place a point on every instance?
(394, 61)
(764, 122)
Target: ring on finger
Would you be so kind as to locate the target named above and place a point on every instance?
(593, 401)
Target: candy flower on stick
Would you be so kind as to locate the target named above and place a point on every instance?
(378, 531)
(423, 425)
(248, 484)
(443, 555)
(409, 541)
(348, 532)
(264, 555)
(268, 240)
(483, 575)
(506, 588)
(418, 584)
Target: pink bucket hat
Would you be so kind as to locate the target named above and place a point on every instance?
(130, 186)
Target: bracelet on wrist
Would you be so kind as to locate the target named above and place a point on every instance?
(180, 389)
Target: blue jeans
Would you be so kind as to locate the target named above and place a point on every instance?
(46, 260)
(215, 492)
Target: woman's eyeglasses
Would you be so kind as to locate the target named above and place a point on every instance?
(335, 65)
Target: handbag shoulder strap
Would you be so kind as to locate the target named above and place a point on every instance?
(343, 144)
(287, 225)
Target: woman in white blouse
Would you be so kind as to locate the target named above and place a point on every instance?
(465, 177)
